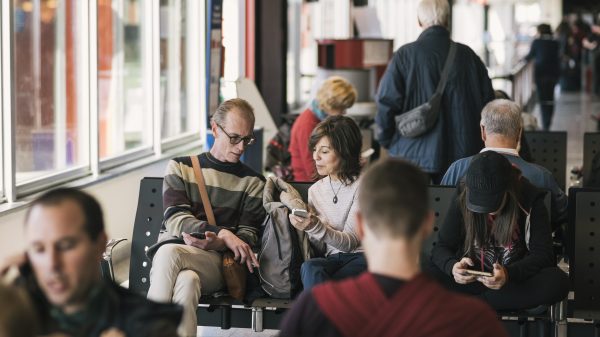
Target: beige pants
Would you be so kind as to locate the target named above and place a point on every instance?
(180, 274)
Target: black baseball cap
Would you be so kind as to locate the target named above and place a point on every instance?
(487, 180)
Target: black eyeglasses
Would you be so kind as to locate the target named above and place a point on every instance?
(234, 140)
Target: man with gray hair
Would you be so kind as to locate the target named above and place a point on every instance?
(183, 271)
(411, 79)
(501, 126)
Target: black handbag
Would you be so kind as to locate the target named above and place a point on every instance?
(421, 119)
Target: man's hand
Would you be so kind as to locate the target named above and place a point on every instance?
(242, 251)
(497, 281)
(212, 241)
(459, 271)
(303, 224)
(12, 261)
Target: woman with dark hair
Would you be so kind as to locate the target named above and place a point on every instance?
(330, 223)
(496, 240)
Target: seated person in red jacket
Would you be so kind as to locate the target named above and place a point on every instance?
(498, 223)
(333, 98)
(394, 298)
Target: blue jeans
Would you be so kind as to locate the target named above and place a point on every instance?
(333, 267)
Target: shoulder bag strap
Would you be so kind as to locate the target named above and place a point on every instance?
(449, 60)
(202, 189)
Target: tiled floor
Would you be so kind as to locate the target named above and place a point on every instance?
(572, 114)
(204, 331)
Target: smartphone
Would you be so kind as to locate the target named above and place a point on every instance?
(479, 272)
(198, 235)
(300, 212)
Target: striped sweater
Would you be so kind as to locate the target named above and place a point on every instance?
(235, 193)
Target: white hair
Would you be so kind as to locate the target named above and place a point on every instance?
(433, 12)
(502, 117)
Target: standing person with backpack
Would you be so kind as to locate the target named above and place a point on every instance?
(332, 202)
(333, 98)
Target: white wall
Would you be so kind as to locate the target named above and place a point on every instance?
(118, 197)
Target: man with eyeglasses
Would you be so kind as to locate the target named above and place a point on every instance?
(183, 272)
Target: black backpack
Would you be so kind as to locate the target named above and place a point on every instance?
(279, 158)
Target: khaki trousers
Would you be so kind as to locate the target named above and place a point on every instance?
(181, 274)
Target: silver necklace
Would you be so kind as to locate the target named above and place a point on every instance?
(335, 198)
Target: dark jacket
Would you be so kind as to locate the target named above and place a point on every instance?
(411, 79)
(449, 248)
(109, 306)
(545, 53)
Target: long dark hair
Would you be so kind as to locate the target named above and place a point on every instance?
(346, 140)
(476, 228)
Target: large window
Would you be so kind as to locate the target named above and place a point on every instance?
(89, 85)
(51, 119)
(176, 49)
(123, 110)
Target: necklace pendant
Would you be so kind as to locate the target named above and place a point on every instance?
(335, 199)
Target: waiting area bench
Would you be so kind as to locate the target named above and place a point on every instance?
(266, 313)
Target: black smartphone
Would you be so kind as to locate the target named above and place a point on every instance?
(198, 235)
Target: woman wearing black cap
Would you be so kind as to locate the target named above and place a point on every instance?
(498, 224)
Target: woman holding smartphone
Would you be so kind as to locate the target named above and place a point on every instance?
(330, 221)
(498, 225)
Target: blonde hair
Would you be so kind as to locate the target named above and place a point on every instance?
(336, 94)
(433, 12)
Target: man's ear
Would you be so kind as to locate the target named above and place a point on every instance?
(427, 226)
(213, 128)
(360, 230)
(101, 241)
(483, 136)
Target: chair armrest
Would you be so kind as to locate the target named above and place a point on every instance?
(115, 260)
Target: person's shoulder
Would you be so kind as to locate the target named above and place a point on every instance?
(247, 171)
(139, 306)
(474, 312)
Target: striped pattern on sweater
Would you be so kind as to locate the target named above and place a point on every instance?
(235, 193)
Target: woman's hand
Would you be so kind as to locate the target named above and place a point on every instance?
(459, 271)
(303, 224)
(497, 281)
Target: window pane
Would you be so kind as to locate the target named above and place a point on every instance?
(51, 121)
(123, 108)
(173, 63)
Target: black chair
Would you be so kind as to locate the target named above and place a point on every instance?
(591, 146)
(585, 265)
(549, 149)
(440, 198)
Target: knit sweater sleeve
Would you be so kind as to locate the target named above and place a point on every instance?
(253, 213)
(345, 240)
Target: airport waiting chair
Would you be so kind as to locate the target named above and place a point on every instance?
(549, 149)
(585, 264)
(591, 147)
